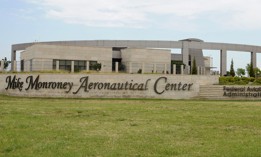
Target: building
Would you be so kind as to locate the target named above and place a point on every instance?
(44, 57)
(129, 56)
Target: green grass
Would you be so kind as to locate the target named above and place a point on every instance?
(34, 127)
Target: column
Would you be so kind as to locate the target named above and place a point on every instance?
(14, 66)
(57, 65)
(87, 66)
(201, 71)
(188, 70)
(185, 54)
(13, 59)
(198, 70)
(174, 69)
(116, 67)
(223, 62)
(182, 69)
(154, 68)
(2, 66)
(130, 67)
(253, 59)
(72, 66)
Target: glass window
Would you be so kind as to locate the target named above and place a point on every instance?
(22, 65)
(66, 65)
(79, 66)
(61, 62)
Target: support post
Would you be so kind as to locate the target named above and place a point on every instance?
(185, 54)
(13, 59)
(182, 69)
(223, 62)
(116, 67)
(174, 69)
(14, 66)
(253, 59)
(198, 70)
(188, 70)
(2, 66)
(87, 66)
(57, 65)
(201, 70)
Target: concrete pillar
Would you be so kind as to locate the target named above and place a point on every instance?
(198, 70)
(14, 65)
(143, 68)
(72, 66)
(13, 59)
(174, 69)
(185, 53)
(154, 68)
(204, 70)
(130, 67)
(116, 67)
(2, 66)
(223, 62)
(182, 69)
(188, 69)
(57, 65)
(253, 59)
(201, 71)
(87, 66)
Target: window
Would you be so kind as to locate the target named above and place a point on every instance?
(22, 65)
(79, 66)
(66, 65)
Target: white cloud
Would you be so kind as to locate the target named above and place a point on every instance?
(232, 14)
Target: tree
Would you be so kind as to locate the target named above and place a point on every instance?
(6, 63)
(232, 71)
(250, 70)
(194, 67)
(241, 72)
(257, 72)
(97, 66)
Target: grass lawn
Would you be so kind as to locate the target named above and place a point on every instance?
(34, 127)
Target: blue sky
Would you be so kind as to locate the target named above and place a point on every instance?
(226, 21)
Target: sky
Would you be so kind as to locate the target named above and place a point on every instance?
(224, 21)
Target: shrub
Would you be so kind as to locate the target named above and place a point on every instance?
(251, 79)
(257, 81)
(238, 80)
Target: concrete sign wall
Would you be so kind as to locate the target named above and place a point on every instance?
(104, 85)
(230, 92)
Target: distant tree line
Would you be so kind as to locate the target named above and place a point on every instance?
(251, 71)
